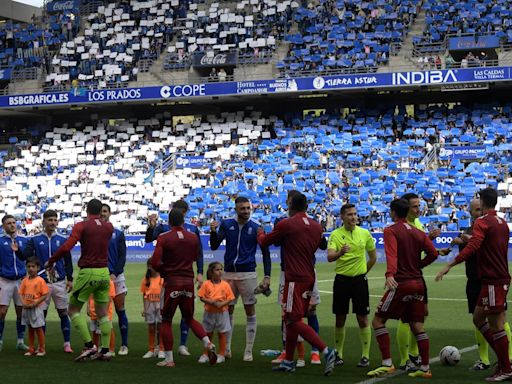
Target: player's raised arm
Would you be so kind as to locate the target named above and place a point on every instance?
(156, 259)
(430, 250)
(68, 245)
(264, 240)
(216, 237)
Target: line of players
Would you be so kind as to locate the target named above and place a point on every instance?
(244, 281)
(15, 250)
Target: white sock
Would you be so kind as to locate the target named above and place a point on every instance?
(387, 362)
(250, 332)
(230, 332)
(21, 341)
(206, 341)
(424, 368)
(168, 356)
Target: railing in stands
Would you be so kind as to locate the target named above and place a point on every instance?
(25, 74)
(430, 158)
(90, 7)
(168, 163)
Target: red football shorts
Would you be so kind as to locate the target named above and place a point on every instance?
(296, 297)
(178, 295)
(407, 302)
(493, 298)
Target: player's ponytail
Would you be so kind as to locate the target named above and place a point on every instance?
(148, 273)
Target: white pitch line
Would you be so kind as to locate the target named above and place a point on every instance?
(430, 298)
(383, 278)
(400, 372)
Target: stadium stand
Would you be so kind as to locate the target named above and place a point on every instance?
(363, 158)
(340, 35)
(25, 46)
(252, 31)
(114, 41)
(464, 17)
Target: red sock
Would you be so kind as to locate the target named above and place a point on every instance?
(384, 342)
(222, 343)
(166, 334)
(31, 338)
(197, 328)
(307, 334)
(291, 341)
(485, 330)
(151, 337)
(423, 346)
(501, 349)
(40, 339)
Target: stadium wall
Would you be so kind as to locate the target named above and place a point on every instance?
(18, 11)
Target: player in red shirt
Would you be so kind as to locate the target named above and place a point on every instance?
(175, 253)
(93, 278)
(490, 244)
(299, 237)
(404, 298)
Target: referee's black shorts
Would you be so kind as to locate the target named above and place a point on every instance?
(353, 288)
(473, 288)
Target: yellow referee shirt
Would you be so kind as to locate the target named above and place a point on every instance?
(360, 241)
(417, 224)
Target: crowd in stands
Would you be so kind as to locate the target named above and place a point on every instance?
(344, 34)
(114, 39)
(27, 45)
(464, 17)
(363, 158)
(254, 30)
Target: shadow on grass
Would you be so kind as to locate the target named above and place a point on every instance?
(59, 367)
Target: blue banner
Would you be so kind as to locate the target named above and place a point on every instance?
(72, 6)
(463, 152)
(465, 43)
(185, 161)
(5, 74)
(301, 84)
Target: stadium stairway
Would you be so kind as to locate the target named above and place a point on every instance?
(404, 60)
(505, 57)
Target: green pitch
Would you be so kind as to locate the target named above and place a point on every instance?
(448, 324)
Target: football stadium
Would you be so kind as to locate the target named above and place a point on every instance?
(325, 163)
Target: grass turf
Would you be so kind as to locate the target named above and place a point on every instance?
(448, 324)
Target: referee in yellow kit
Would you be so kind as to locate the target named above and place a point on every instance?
(348, 246)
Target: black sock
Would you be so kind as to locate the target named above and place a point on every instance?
(89, 344)
(104, 351)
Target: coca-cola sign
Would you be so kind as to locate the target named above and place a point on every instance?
(59, 6)
(220, 59)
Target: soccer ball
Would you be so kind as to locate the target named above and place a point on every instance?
(449, 355)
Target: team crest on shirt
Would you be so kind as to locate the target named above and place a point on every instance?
(485, 301)
(41, 242)
(231, 228)
(58, 243)
(114, 235)
(249, 231)
(307, 294)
